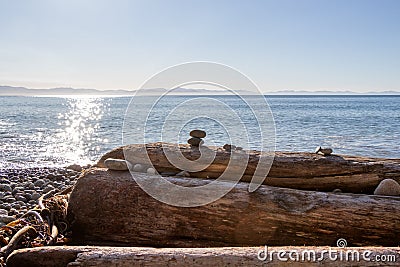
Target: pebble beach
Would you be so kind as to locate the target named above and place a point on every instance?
(20, 189)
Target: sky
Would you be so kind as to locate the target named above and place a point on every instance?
(281, 45)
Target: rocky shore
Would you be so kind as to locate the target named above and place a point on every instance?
(20, 189)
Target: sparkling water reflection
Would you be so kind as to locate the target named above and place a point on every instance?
(78, 138)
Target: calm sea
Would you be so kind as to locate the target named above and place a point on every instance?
(54, 131)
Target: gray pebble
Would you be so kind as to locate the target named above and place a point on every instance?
(20, 198)
(9, 199)
(31, 185)
(48, 189)
(17, 190)
(3, 212)
(6, 219)
(34, 196)
(5, 187)
(39, 183)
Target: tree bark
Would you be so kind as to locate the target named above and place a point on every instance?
(306, 171)
(109, 208)
(228, 256)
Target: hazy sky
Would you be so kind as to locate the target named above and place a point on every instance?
(299, 44)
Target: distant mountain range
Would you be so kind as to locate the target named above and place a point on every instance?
(22, 91)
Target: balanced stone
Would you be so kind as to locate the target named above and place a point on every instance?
(388, 187)
(198, 133)
(117, 164)
(195, 141)
(324, 151)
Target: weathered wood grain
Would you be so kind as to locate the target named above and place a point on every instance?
(108, 207)
(85, 256)
(306, 171)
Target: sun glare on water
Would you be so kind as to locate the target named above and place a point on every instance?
(77, 140)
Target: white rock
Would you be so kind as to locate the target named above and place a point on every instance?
(388, 187)
(151, 171)
(138, 168)
(117, 164)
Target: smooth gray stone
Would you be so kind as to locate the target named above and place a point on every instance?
(6, 219)
(388, 187)
(198, 133)
(5, 187)
(117, 164)
(194, 141)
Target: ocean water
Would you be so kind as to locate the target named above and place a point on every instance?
(56, 131)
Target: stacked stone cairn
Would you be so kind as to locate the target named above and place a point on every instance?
(196, 139)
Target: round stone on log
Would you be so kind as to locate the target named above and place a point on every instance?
(194, 141)
(388, 187)
(117, 164)
(324, 151)
(151, 171)
(138, 168)
(198, 133)
(228, 147)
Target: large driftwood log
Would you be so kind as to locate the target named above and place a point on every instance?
(227, 256)
(306, 171)
(108, 207)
